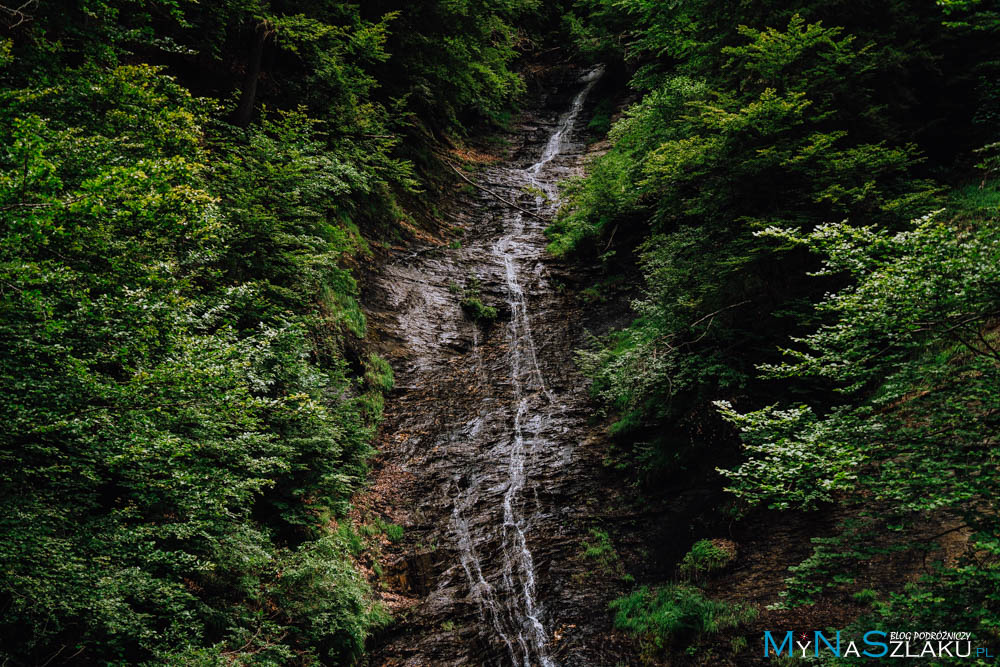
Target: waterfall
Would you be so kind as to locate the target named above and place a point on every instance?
(514, 613)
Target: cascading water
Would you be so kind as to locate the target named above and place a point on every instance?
(483, 441)
(534, 403)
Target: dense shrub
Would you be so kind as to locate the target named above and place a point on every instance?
(675, 615)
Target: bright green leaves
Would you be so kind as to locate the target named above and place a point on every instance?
(283, 193)
(911, 345)
(913, 286)
(760, 124)
(675, 616)
(188, 397)
(803, 57)
(611, 192)
(973, 15)
(674, 159)
(177, 404)
(794, 459)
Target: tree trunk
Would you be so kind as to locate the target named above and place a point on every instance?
(244, 113)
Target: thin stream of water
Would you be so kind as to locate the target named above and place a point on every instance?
(514, 613)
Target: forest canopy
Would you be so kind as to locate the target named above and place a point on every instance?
(807, 192)
(810, 193)
(189, 402)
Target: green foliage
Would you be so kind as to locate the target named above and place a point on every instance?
(911, 348)
(182, 334)
(967, 592)
(600, 122)
(326, 598)
(177, 404)
(922, 303)
(188, 398)
(758, 125)
(477, 311)
(704, 557)
(595, 29)
(472, 304)
(390, 530)
(602, 552)
(394, 532)
(675, 616)
(866, 595)
(456, 57)
(351, 538)
(975, 204)
(787, 132)
(378, 373)
(280, 190)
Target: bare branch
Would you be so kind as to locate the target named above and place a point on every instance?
(15, 17)
(491, 193)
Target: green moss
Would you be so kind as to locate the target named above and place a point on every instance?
(704, 557)
(378, 373)
(394, 532)
(477, 311)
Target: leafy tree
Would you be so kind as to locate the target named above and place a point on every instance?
(702, 169)
(759, 124)
(159, 396)
(911, 347)
(455, 57)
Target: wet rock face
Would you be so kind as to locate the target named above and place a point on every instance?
(487, 458)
